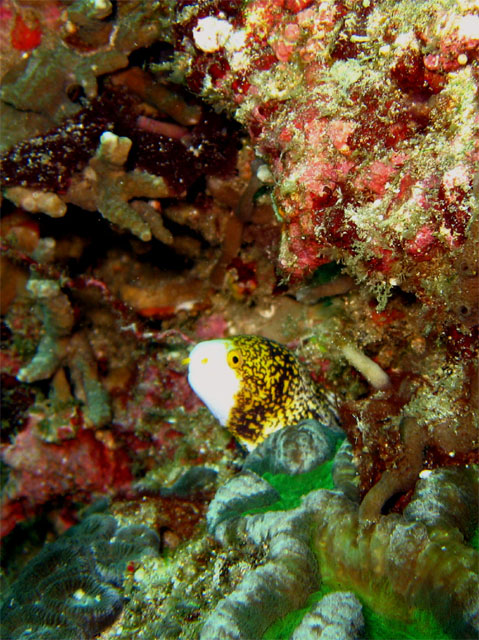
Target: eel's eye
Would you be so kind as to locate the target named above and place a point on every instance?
(235, 359)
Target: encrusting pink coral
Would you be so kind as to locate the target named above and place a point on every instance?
(41, 471)
(342, 152)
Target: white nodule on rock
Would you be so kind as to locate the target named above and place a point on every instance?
(96, 9)
(113, 148)
(102, 8)
(43, 288)
(212, 379)
(373, 373)
(264, 174)
(210, 33)
(425, 473)
(37, 201)
(237, 50)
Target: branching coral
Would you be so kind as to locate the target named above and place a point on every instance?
(106, 187)
(87, 155)
(58, 345)
(58, 321)
(82, 47)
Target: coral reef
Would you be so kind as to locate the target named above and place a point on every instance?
(357, 180)
(174, 172)
(356, 169)
(438, 570)
(72, 588)
(282, 583)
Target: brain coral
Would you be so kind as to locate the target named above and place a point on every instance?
(72, 588)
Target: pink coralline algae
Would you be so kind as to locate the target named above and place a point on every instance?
(41, 471)
(369, 129)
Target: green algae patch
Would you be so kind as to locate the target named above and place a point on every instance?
(292, 488)
(284, 627)
(423, 625)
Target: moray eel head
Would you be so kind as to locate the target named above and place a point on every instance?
(255, 386)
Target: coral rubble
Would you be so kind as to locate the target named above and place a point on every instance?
(178, 171)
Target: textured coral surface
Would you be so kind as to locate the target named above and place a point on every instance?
(305, 170)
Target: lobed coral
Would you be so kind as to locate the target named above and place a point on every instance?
(441, 568)
(336, 615)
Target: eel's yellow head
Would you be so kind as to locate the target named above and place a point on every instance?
(253, 386)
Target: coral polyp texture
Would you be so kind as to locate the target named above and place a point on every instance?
(72, 588)
(302, 172)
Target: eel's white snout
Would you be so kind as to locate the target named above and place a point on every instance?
(212, 379)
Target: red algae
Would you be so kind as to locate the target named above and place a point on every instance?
(361, 142)
(81, 466)
(25, 37)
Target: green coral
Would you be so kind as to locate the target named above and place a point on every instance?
(423, 578)
(41, 80)
(106, 186)
(58, 318)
